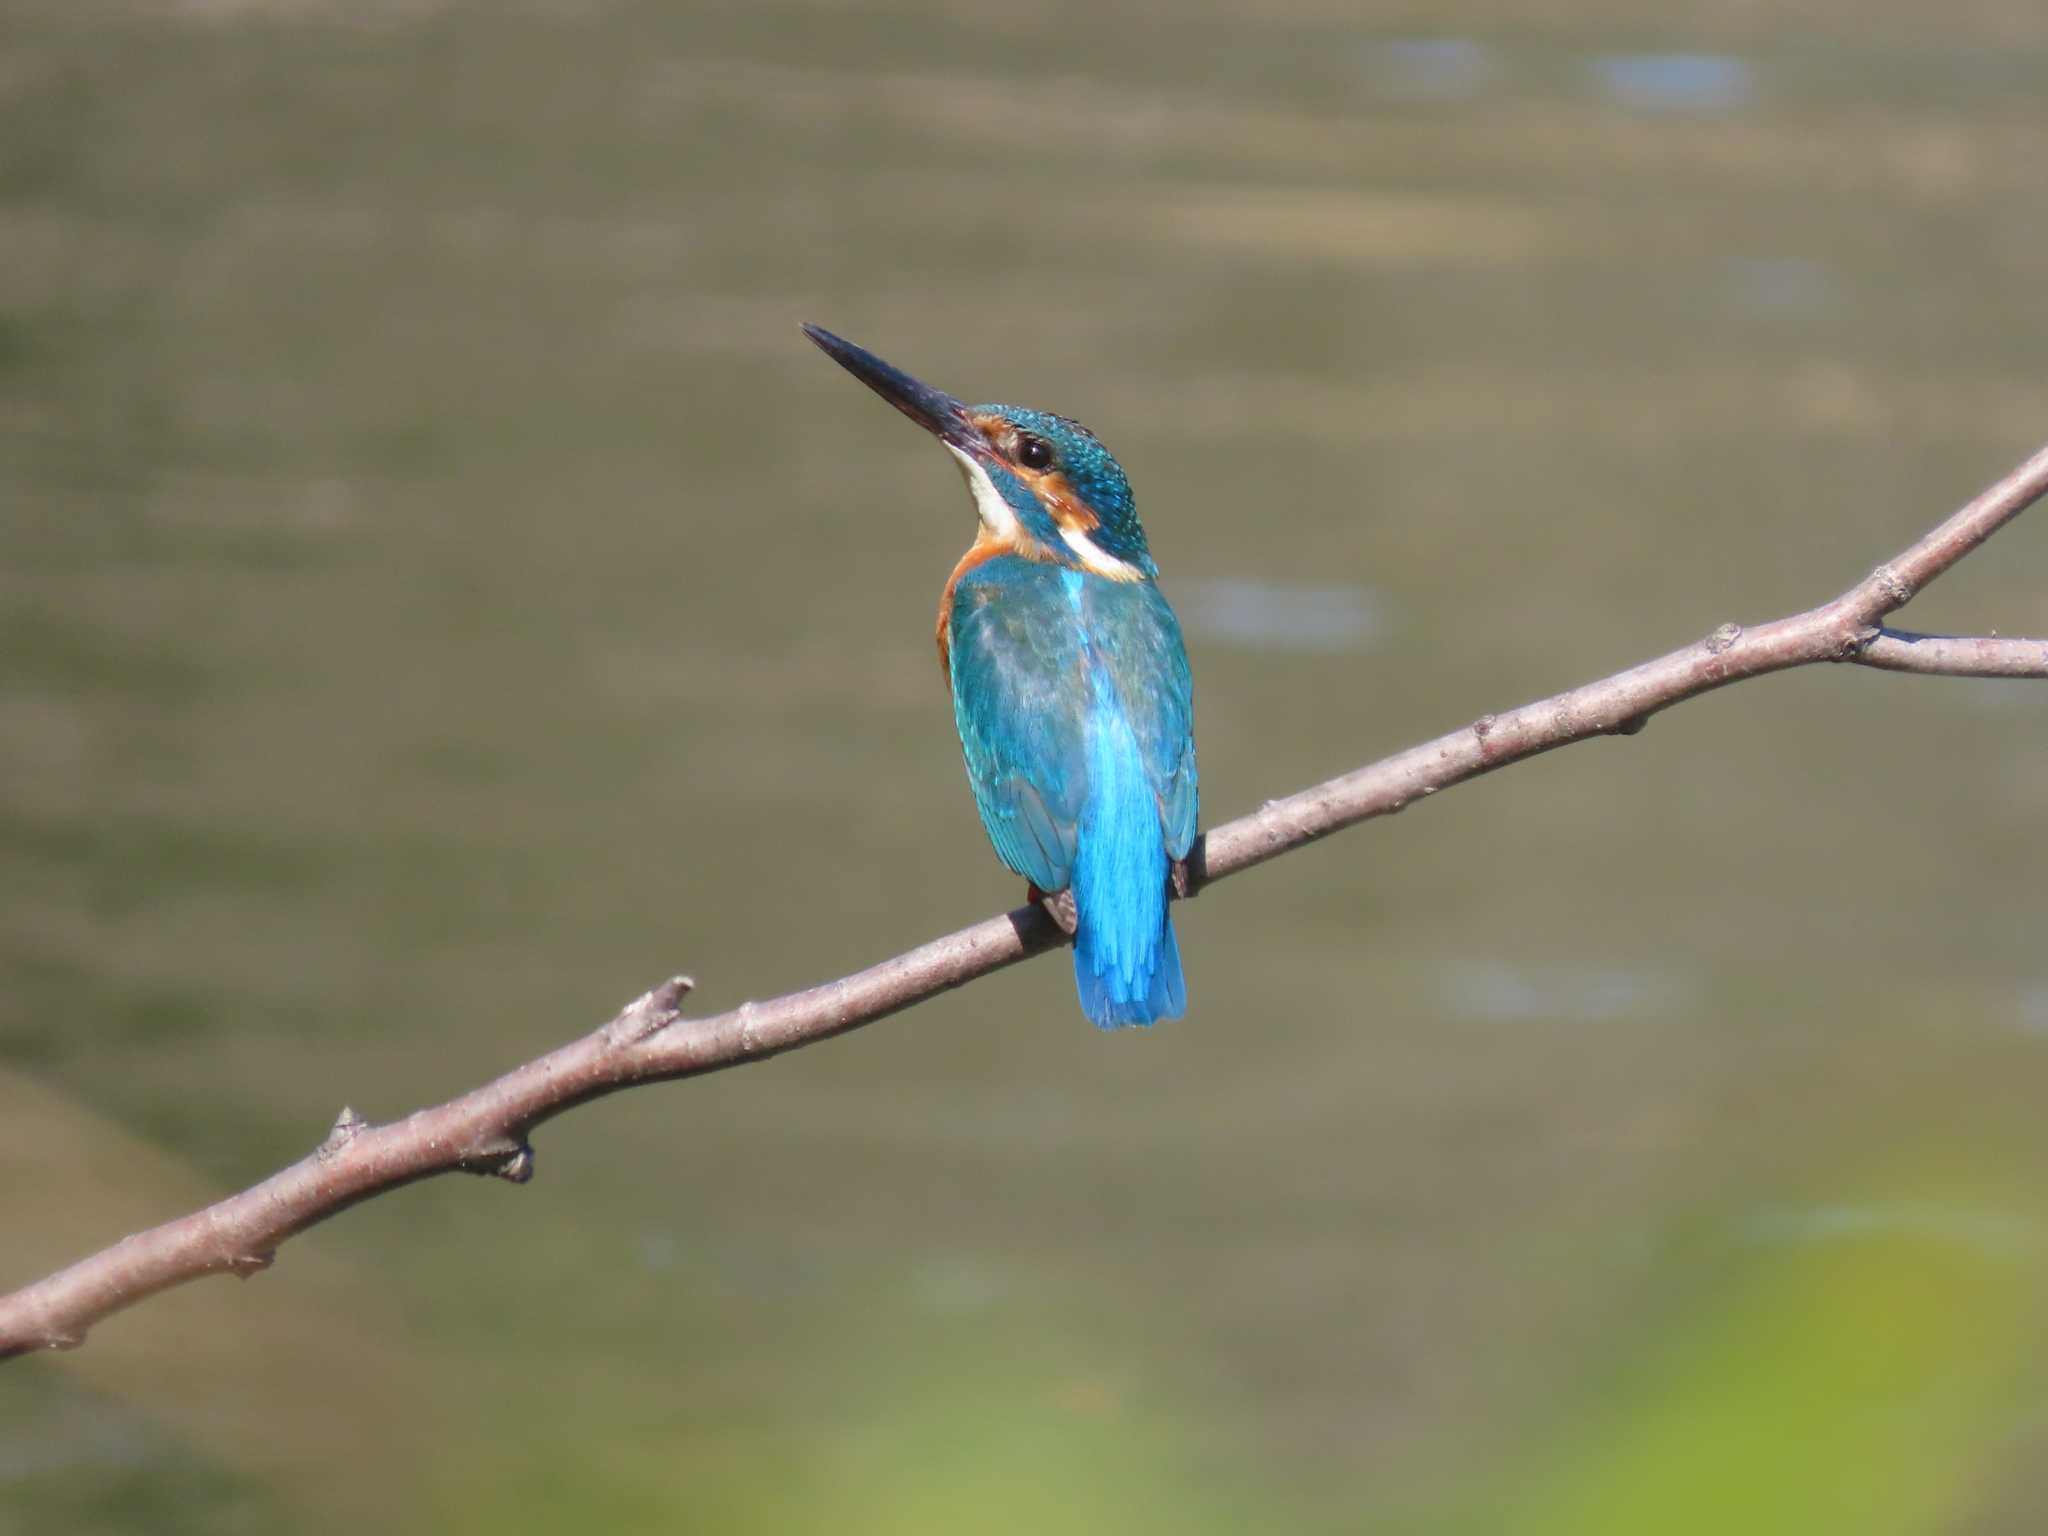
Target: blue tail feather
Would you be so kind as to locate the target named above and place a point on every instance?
(1126, 960)
(1111, 1003)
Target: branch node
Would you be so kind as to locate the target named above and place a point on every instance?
(348, 1125)
(1632, 726)
(1483, 726)
(1897, 590)
(1721, 639)
(518, 1168)
(649, 1014)
(243, 1265)
(506, 1157)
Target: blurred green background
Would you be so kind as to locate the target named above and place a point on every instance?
(441, 594)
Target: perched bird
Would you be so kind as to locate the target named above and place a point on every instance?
(1070, 686)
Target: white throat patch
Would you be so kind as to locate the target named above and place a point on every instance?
(994, 512)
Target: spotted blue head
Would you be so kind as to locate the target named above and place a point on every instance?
(1044, 486)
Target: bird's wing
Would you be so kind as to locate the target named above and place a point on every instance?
(1137, 638)
(1020, 700)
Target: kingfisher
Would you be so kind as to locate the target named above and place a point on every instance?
(1070, 683)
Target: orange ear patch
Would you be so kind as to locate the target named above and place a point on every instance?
(1060, 499)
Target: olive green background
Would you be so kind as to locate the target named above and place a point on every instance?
(441, 594)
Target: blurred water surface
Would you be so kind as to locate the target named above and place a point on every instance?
(441, 594)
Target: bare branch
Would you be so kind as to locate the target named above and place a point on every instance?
(486, 1130)
(1900, 650)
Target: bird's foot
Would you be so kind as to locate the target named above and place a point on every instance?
(1057, 905)
(1177, 877)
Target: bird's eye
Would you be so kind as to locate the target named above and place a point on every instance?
(1034, 452)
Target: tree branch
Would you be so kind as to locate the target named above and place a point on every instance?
(486, 1130)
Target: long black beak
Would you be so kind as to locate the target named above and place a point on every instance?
(933, 409)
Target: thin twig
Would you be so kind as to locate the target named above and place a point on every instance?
(1900, 650)
(486, 1130)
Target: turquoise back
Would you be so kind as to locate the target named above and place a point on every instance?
(1075, 711)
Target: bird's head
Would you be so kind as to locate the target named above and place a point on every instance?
(1043, 485)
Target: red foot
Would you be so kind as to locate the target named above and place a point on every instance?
(1057, 905)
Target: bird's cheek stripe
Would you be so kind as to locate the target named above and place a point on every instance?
(1055, 493)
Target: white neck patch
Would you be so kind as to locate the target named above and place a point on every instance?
(1095, 558)
(1000, 519)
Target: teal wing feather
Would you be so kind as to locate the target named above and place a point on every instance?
(1136, 636)
(1020, 697)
